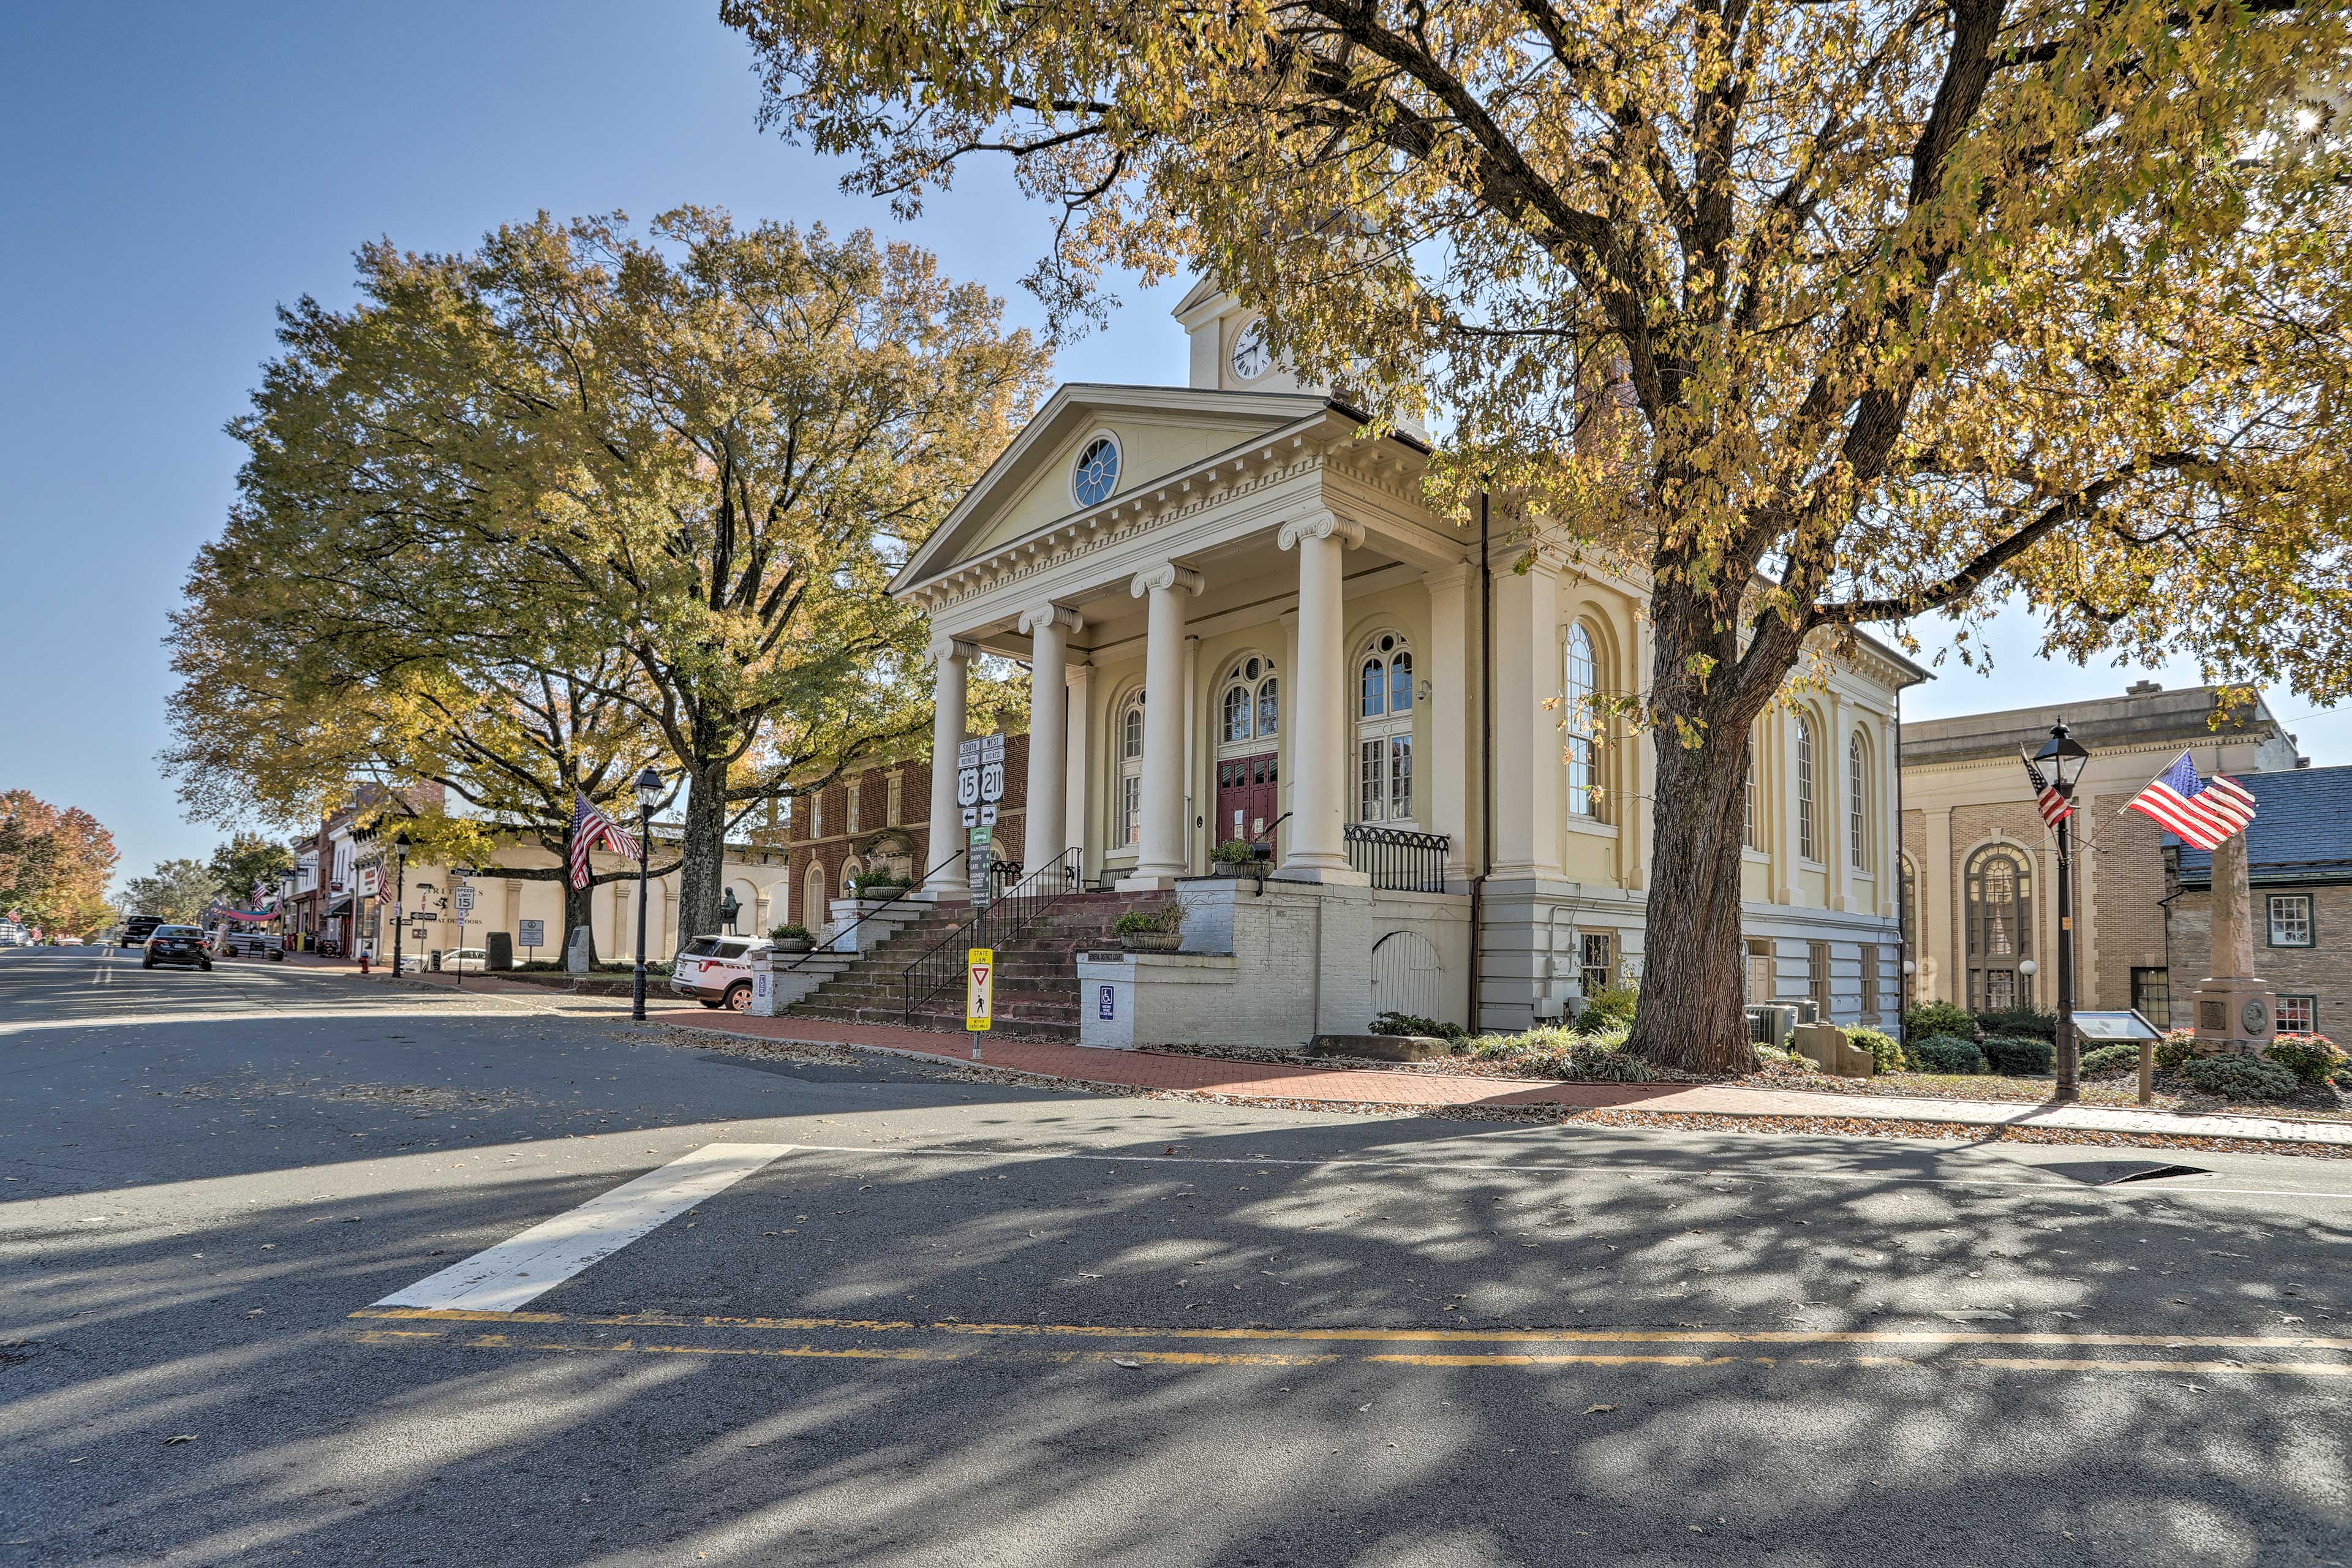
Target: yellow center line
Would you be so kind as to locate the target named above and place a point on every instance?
(1390, 1336)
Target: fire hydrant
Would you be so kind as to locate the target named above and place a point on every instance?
(364, 961)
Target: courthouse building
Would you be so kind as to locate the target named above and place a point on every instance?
(1243, 622)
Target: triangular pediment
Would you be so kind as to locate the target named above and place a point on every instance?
(1158, 431)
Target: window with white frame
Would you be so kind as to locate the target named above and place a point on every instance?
(1251, 706)
(1384, 729)
(2298, 1015)
(2291, 920)
(1808, 827)
(1747, 833)
(1096, 473)
(1131, 770)
(1588, 794)
(1857, 819)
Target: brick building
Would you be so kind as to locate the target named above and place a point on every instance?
(2299, 861)
(1979, 868)
(879, 819)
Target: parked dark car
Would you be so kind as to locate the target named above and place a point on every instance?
(139, 928)
(177, 944)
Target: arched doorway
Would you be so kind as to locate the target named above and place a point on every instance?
(1406, 975)
(2000, 894)
(1249, 773)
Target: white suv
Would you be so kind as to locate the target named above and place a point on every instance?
(716, 970)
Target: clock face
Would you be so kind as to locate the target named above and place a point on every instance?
(2257, 1017)
(1250, 358)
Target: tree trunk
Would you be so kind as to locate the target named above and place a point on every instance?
(703, 873)
(578, 911)
(1692, 1011)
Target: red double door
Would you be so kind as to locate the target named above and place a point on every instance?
(1246, 790)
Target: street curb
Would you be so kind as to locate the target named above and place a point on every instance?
(1772, 1123)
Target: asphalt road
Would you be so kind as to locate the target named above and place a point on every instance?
(934, 1320)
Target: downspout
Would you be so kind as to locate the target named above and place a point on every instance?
(1486, 762)
(1907, 967)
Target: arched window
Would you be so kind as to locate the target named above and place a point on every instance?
(1910, 933)
(2000, 889)
(1809, 837)
(1384, 729)
(850, 867)
(1857, 795)
(1251, 708)
(812, 910)
(1748, 835)
(1588, 794)
(1096, 473)
(1131, 770)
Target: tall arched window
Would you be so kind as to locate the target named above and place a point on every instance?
(1910, 933)
(1748, 834)
(812, 910)
(1587, 796)
(1384, 729)
(2000, 889)
(1809, 837)
(1249, 773)
(1131, 770)
(1857, 794)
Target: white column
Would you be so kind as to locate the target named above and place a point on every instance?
(950, 657)
(1160, 856)
(1078, 770)
(1527, 765)
(1319, 759)
(1447, 768)
(1049, 627)
(1839, 798)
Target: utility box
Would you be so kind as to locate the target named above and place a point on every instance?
(501, 950)
(1770, 1024)
(1826, 1046)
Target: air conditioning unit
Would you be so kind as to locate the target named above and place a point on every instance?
(1772, 1023)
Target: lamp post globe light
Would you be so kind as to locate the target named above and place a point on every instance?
(2060, 760)
(649, 790)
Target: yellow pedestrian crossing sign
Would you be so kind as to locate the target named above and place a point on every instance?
(979, 988)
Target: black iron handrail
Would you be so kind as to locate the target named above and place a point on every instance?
(943, 964)
(1396, 861)
(909, 892)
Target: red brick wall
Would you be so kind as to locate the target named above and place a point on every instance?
(837, 844)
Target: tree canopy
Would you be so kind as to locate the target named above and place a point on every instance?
(1810, 313)
(177, 890)
(54, 863)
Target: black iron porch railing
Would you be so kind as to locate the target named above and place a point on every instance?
(1397, 862)
(826, 945)
(1010, 913)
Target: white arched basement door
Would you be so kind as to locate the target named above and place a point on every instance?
(1406, 976)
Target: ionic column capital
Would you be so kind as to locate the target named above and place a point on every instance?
(944, 646)
(1038, 616)
(1167, 574)
(1320, 525)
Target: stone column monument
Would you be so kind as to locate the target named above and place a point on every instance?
(2235, 1011)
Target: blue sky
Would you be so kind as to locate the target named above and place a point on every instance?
(173, 172)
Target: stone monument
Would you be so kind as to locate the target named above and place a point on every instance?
(576, 951)
(2235, 1011)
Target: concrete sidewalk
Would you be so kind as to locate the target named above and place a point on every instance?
(1372, 1088)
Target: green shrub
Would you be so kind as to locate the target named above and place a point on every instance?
(2174, 1049)
(2234, 1076)
(790, 933)
(2016, 1055)
(875, 884)
(1605, 1064)
(2110, 1061)
(1407, 1023)
(1884, 1048)
(2314, 1059)
(1234, 852)
(1948, 1054)
(1929, 1019)
(2343, 1077)
(2030, 1022)
(1166, 918)
(1614, 1004)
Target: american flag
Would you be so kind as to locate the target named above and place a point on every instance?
(2203, 812)
(591, 829)
(2056, 807)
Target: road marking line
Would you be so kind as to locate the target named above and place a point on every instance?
(1131, 1358)
(1438, 1336)
(501, 1278)
(2060, 1187)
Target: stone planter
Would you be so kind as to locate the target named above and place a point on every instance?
(1151, 941)
(794, 944)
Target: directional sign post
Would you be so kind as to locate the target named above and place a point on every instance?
(979, 992)
(462, 900)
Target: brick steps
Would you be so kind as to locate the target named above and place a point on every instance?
(1036, 972)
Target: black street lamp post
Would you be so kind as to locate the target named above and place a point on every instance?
(399, 896)
(649, 794)
(2061, 757)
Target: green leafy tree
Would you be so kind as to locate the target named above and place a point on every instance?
(54, 864)
(674, 474)
(1807, 315)
(247, 866)
(178, 891)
